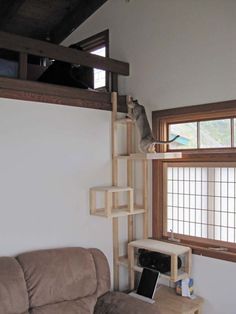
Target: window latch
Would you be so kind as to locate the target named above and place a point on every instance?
(172, 237)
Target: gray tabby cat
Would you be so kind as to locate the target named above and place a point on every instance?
(147, 141)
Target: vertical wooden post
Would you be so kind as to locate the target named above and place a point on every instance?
(131, 201)
(174, 267)
(145, 198)
(92, 202)
(23, 64)
(115, 253)
(108, 203)
(131, 266)
(188, 262)
(115, 196)
(114, 82)
(114, 145)
(130, 173)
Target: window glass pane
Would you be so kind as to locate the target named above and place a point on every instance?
(99, 75)
(187, 133)
(215, 133)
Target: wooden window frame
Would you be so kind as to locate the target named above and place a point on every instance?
(160, 121)
(94, 42)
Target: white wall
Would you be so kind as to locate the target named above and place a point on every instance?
(181, 52)
(50, 157)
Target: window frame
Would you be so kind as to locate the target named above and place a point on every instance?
(160, 121)
(94, 42)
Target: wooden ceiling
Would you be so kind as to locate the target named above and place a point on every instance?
(50, 20)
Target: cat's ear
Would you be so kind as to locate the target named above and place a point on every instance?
(135, 101)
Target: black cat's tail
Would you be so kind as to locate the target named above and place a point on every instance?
(167, 142)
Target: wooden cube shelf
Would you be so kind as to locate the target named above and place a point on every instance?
(173, 250)
(109, 210)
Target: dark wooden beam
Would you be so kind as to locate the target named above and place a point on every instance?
(45, 49)
(8, 9)
(74, 19)
(59, 95)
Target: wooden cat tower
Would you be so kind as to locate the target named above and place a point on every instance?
(112, 208)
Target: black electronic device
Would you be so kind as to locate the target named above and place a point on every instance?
(155, 260)
(148, 283)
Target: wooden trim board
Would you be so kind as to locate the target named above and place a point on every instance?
(59, 95)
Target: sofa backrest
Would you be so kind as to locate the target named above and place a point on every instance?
(58, 275)
(13, 292)
(61, 275)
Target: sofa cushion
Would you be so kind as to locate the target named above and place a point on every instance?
(81, 306)
(118, 302)
(58, 275)
(13, 292)
(103, 272)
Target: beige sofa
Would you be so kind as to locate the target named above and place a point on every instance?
(62, 281)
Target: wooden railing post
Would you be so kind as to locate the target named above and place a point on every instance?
(23, 65)
(114, 82)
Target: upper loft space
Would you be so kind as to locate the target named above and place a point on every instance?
(34, 67)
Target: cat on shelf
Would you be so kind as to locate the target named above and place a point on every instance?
(147, 142)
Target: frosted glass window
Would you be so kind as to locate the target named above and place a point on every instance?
(206, 206)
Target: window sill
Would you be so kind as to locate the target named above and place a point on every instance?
(208, 251)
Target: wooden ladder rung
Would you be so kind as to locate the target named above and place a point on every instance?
(112, 189)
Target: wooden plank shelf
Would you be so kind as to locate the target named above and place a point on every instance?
(181, 275)
(111, 189)
(149, 156)
(117, 213)
(160, 246)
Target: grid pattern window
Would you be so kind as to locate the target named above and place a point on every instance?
(201, 200)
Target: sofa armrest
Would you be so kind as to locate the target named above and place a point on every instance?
(121, 303)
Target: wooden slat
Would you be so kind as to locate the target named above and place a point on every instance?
(55, 94)
(45, 49)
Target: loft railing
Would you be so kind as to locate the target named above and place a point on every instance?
(25, 46)
(30, 90)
